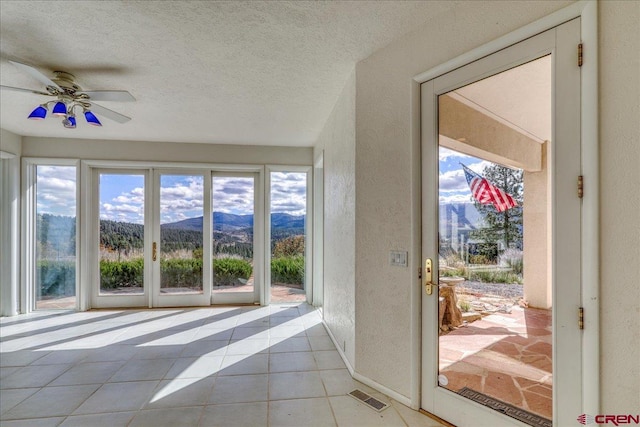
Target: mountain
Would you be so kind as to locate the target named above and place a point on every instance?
(225, 222)
(221, 222)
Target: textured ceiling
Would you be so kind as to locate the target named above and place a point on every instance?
(265, 73)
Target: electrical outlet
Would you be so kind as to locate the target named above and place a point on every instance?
(398, 258)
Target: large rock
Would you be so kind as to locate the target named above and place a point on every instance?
(452, 316)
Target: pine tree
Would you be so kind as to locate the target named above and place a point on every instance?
(502, 226)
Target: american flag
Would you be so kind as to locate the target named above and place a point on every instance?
(485, 193)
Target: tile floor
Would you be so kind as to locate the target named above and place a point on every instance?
(231, 366)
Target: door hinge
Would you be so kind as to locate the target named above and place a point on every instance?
(580, 186)
(581, 318)
(580, 55)
(419, 272)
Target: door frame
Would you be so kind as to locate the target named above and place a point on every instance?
(587, 11)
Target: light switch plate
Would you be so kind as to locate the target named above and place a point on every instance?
(398, 258)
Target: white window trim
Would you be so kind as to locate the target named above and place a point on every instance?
(10, 244)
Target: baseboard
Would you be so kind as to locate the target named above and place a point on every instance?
(382, 389)
(338, 348)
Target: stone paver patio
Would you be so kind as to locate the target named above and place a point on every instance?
(505, 356)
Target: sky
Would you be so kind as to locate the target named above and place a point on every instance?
(453, 184)
(181, 196)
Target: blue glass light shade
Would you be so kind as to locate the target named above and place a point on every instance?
(39, 113)
(59, 109)
(92, 119)
(69, 122)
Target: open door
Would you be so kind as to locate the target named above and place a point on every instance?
(501, 236)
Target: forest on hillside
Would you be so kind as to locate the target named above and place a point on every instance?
(56, 235)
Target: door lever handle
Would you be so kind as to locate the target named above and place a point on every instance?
(428, 276)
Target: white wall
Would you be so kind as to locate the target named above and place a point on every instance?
(385, 185)
(619, 88)
(337, 139)
(10, 142)
(164, 151)
(11, 148)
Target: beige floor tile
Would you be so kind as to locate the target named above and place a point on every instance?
(351, 413)
(118, 397)
(295, 385)
(287, 362)
(236, 415)
(240, 388)
(51, 402)
(301, 412)
(181, 392)
(111, 419)
(328, 359)
(183, 417)
(245, 364)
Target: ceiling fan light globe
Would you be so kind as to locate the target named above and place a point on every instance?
(92, 119)
(69, 122)
(39, 113)
(59, 109)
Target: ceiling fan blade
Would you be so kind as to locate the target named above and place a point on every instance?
(110, 95)
(36, 75)
(110, 114)
(19, 89)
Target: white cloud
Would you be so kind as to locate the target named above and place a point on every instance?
(56, 190)
(289, 193)
(233, 195)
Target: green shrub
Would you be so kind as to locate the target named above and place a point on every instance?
(121, 274)
(288, 270)
(181, 272)
(496, 277)
(56, 278)
(227, 271)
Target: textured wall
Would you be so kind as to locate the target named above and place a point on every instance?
(10, 142)
(619, 205)
(164, 151)
(338, 142)
(384, 176)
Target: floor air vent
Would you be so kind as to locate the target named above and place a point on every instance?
(507, 409)
(372, 402)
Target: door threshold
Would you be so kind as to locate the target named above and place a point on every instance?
(435, 417)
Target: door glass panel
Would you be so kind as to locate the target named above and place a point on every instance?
(288, 239)
(181, 234)
(121, 199)
(233, 205)
(495, 298)
(55, 237)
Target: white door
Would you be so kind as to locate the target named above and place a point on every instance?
(180, 250)
(516, 364)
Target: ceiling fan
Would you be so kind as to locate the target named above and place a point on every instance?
(69, 97)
